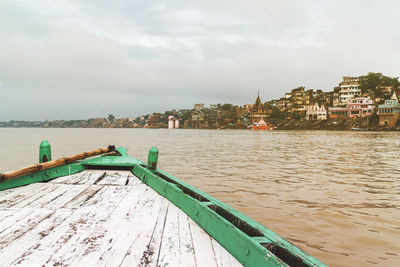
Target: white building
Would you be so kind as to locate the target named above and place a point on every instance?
(315, 112)
(349, 89)
(173, 123)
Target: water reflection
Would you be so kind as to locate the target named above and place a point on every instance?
(334, 194)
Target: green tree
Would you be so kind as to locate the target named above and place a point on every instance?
(111, 117)
(227, 107)
(277, 116)
(369, 82)
(186, 114)
(296, 116)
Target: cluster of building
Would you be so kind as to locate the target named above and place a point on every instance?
(347, 100)
(216, 116)
(90, 123)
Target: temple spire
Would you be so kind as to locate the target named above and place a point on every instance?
(258, 103)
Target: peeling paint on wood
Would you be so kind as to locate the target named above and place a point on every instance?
(117, 222)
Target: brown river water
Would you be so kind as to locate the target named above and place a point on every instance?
(334, 194)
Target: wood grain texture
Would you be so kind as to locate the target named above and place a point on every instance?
(177, 246)
(100, 218)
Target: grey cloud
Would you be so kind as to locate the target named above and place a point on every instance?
(80, 59)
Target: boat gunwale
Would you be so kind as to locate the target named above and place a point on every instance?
(222, 222)
(253, 251)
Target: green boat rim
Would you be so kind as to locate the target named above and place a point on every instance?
(251, 243)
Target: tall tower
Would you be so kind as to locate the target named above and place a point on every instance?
(258, 111)
(258, 106)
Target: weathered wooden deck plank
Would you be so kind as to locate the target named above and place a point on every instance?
(144, 250)
(94, 177)
(71, 192)
(22, 226)
(72, 179)
(87, 227)
(118, 232)
(83, 196)
(18, 215)
(67, 240)
(5, 195)
(85, 177)
(16, 251)
(222, 256)
(82, 220)
(4, 214)
(203, 249)
(59, 189)
(133, 180)
(177, 246)
(126, 227)
(19, 194)
(115, 178)
(46, 190)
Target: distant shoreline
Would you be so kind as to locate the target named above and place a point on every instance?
(230, 129)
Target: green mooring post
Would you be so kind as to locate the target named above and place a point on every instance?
(152, 159)
(44, 151)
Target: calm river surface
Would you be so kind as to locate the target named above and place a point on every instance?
(336, 195)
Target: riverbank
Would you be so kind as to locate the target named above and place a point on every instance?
(338, 124)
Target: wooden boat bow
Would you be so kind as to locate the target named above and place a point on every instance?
(249, 242)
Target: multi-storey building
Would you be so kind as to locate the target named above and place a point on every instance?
(299, 100)
(349, 89)
(308, 97)
(361, 107)
(282, 104)
(323, 98)
(297, 97)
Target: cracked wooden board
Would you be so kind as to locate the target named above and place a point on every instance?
(112, 221)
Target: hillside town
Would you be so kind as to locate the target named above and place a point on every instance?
(371, 101)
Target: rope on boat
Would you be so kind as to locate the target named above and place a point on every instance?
(55, 163)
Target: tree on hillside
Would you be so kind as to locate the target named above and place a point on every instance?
(369, 83)
(227, 107)
(186, 114)
(111, 117)
(277, 116)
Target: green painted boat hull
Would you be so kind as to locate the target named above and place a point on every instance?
(249, 242)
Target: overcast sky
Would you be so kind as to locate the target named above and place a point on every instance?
(81, 59)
